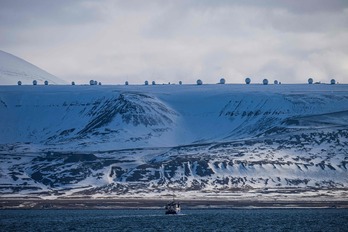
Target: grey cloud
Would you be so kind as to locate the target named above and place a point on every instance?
(112, 41)
(42, 12)
(239, 18)
(295, 6)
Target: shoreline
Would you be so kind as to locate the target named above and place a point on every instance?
(136, 203)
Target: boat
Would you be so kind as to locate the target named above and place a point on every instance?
(173, 207)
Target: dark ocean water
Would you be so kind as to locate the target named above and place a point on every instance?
(190, 220)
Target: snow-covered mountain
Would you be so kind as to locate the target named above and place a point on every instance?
(14, 69)
(209, 140)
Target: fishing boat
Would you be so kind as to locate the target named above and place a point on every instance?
(173, 207)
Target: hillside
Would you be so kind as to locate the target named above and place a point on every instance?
(222, 141)
(14, 69)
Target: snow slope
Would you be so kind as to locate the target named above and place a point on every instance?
(145, 140)
(14, 69)
(150, 116)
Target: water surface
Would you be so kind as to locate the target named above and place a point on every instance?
(190, 220)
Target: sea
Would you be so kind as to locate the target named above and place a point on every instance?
(189, 220)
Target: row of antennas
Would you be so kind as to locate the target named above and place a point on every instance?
(199, 82)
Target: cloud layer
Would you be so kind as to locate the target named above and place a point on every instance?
(168, 41)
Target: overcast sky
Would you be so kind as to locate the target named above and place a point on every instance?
(167, 41)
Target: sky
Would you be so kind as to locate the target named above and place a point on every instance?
(170, 41)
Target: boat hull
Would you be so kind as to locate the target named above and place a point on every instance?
(172, 212)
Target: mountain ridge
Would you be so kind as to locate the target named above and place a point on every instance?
(222, 140)
(14, 69)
